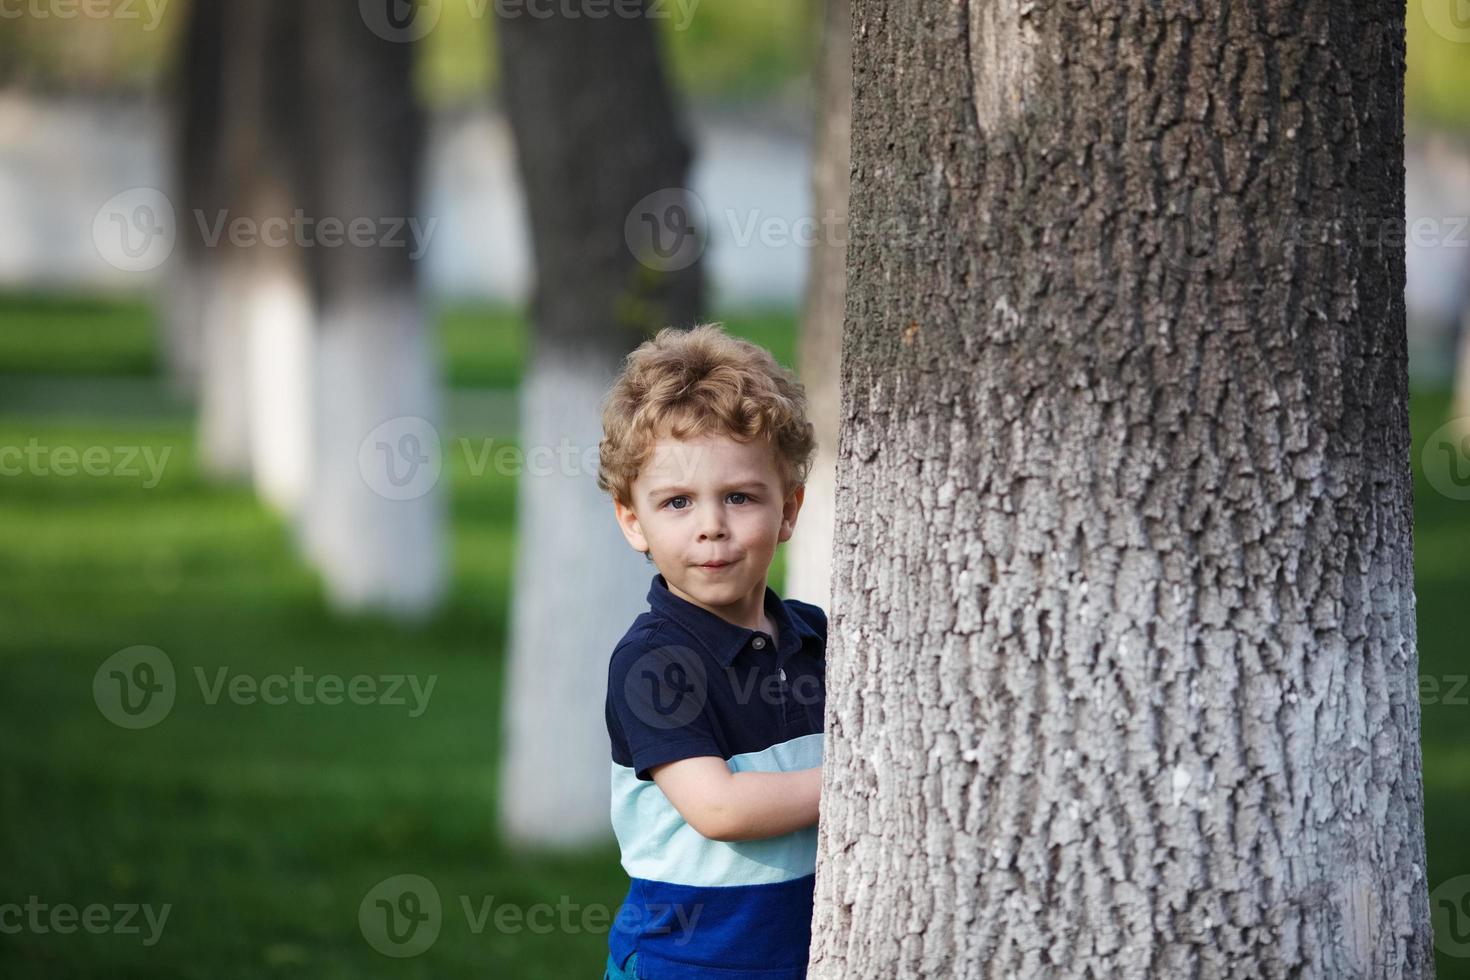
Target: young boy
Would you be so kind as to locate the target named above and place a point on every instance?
(716, 693)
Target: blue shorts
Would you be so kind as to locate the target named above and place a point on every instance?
(628, 971)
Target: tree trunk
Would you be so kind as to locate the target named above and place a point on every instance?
(373, 520)
(223, 187)
(196, 88)
(249, 288)
(1123, 675)
(1462, 376)
(596, 133)
(809, 568)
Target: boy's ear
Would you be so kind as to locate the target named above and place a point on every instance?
(789, 511)
(628, 524)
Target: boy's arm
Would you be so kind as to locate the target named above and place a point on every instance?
(738, 806)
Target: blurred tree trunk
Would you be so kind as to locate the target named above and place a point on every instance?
(233, 139)
(809, 568)
(1462, 375)
(1123, 678)
(373, 521)
(196, 105)
(253, 297)
(596, 133)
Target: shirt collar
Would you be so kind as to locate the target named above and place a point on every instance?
(722, 638)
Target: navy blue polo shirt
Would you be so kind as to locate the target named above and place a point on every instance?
(684, 682)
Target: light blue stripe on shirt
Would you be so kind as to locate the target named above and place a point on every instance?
(659, 845)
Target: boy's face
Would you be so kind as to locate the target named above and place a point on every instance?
(712, 499)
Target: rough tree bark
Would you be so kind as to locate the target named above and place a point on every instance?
(809, 555)
(373, 518)
(596, 133)
(1123, 668)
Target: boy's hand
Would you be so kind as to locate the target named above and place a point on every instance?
(737, 806)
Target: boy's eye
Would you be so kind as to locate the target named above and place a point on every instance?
(671, 503)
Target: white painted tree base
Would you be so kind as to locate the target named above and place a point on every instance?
(377, 545)
(280, 330)
(578, 588)
(224, 389)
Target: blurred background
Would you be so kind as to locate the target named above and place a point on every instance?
(305, 312)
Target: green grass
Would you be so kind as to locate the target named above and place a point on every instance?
(76, 335)
(482, 345)
(265, 826)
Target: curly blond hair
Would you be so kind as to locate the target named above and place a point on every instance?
(688, 383)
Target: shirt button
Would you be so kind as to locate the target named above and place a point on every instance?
(782, 671)
(759, 642)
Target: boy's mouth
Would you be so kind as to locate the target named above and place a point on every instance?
(715, 565)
